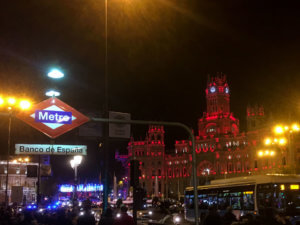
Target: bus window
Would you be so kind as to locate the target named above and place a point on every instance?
(223, 200)
(248, 200)
(265, 199)
(203, 201)
(235, 200)
(212, 200)
(279, 200)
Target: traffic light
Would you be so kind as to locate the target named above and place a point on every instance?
(135, 173)
(32, 171)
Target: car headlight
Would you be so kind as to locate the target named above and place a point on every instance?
(150, 213)
(177, 219)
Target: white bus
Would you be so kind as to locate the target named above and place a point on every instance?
(251, 194)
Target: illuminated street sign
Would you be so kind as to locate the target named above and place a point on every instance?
(53, 117)
(34, 149)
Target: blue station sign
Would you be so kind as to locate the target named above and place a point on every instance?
(49, 116)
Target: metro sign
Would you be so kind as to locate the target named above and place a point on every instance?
(53, 117)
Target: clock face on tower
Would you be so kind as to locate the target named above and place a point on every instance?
(212, 89)
(226, 90)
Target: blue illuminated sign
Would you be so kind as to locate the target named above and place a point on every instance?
(49, 116)
(81, 188)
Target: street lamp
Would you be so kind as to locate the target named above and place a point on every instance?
(55, 74)
(289, 130)
(10, 104)
(52, 93)
(75, 162)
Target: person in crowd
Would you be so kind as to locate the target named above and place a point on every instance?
(228, 217)
(124, 219)
(61, 218)
(212, 218)
(281, 219)
(87, 218)
(107, 218)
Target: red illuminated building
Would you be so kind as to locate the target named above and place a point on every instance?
(222, 150)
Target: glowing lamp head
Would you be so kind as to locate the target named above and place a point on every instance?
(268, 141)
(55, 74)
(260, 153)
(72, 162)
(1, 101)
(24, 104)
(282, 141)
(278, 129)
(77, 159)
(11, 101)
(52, 93)
(295, 127)
(267, 152)
(272, 153)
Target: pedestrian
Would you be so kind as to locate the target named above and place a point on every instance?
(212, 218)
(107, 218)
(228, 217)
(124, 219)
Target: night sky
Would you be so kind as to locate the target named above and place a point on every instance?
(160, 53)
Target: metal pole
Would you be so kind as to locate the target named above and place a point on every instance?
(75, 182)
(291, 153)
(39, 182)
(8, 156)
(106, 108)
(174, 124)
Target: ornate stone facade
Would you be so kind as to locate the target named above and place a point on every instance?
(222, 150)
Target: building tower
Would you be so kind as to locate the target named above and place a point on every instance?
(255, 117)
(217, 96)
(217, 120)
(150, 153)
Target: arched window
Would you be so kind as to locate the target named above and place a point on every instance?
(170, 172)
(177, 172)
(159, 172)
(153, 172)
(229, 167)
(184, 172)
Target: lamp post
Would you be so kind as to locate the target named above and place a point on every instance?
(75, 162)
(289, 130)
(55, 75)
(10, 104)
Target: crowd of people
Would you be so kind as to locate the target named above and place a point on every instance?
(65, 216)
(268, 218)
(62, 216)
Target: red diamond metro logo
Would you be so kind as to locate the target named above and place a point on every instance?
(53, 117)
